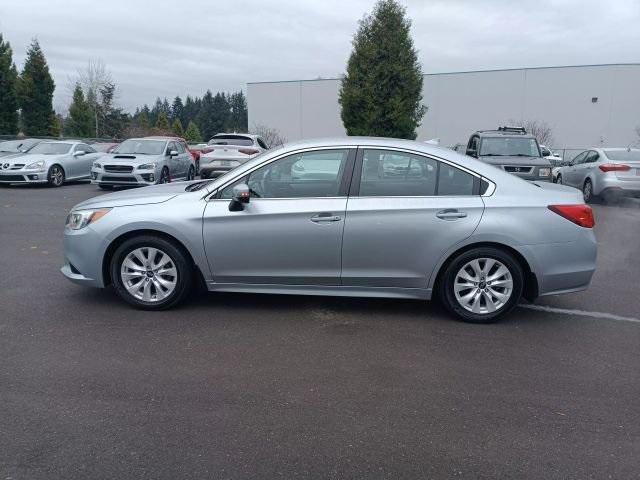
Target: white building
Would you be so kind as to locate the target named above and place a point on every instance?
(585, 105)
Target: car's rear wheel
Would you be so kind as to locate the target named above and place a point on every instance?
(55, 176)
(559, 179)
(481, 285)
(151, 273)
(587, 192)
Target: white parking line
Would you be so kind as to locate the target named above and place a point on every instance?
(567, 311)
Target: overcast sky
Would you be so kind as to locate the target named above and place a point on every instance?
(167, 48)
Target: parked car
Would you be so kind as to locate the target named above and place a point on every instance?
(226, 151)
(511, 149)
(553, 157)
(354, 217)
(52, 162)
(144, 161)
(608, 173)
(13, 147)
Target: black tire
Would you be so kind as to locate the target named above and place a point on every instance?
(559, 179)
(587, 192)
(446, 290)
(164, 176)
(105, 187)
(191, 173)
(182, 264)
(198, 167)
(56, 176)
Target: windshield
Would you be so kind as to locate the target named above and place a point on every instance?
(17, 145)
(509, 146)
(51, 148)
(102, 147)
(140, 147)
(231, 140)
(623, 155)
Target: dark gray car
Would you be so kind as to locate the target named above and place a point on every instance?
(511, 149)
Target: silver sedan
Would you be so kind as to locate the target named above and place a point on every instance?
(348, 216)
(607, 173)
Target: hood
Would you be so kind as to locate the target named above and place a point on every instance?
(137, 196)
(513, 160)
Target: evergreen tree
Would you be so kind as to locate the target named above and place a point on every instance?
(190, 111)
(8, 94)
(80, 122)
(206, 114)
(35, 93)
(381, 93)
(112, 120)
(166, 108)
(162, 124)
(155, 111)
(221, 112)
(192, 134)
(177, 109)
(176, 128)
(238, 119)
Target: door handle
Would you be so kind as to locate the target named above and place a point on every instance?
(325, 217)
(450, 214)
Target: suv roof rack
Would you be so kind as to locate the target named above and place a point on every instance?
(507, 130)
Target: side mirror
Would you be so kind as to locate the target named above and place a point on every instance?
(173, 153)
(472, 152)
(79, 153)
(241, 195)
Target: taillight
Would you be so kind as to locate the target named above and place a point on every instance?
(248, 151)
(579, 214)
(614, 167)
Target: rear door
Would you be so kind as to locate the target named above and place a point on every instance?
(570, 172)
(290, 233)
(404, 212)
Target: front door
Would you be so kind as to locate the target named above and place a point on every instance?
(290, 232)
(403, 215)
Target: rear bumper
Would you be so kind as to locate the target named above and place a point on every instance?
(610, 184)
(213, 171)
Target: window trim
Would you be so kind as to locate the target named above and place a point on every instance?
(343, 190)
(354, 190)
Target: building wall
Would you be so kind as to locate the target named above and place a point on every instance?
(463, 102)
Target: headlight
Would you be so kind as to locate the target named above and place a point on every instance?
(544, 172)
(81, 218)
(35, 166)
(96, 165)
(147, 166)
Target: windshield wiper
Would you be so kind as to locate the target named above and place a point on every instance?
(492, 155)
(197, 186)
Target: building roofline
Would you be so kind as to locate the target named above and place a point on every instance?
(466, 71)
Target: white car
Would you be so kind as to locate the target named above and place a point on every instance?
(226, 151)
(49, 162)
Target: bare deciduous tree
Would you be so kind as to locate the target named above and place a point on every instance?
(539, 129)
(271, 136)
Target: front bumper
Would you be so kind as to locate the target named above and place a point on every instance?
(136, 177)
(83, 253)
(23, 176)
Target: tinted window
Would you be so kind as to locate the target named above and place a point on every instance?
(307, 174)
(591, 157)
(262, 144)
(179, 147)
(231, 140)
(396, 174)
(51, 148)
(453, 181)
(630, 155)
(506, 146)
(580, 158)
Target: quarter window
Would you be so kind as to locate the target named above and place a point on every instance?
(453, 181)
(307, 174)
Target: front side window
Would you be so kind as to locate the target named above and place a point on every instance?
(307, 174)
(580, 158)
(387, 173)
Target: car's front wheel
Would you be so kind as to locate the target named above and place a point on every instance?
(55, 176)
(164, 176)
(151, 273)
(191, 174)
(481, 285)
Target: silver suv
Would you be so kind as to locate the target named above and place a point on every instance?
(511, 149)
(144, 161)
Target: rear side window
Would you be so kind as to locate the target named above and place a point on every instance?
(388, 173)
(453, 181)
(262, 144)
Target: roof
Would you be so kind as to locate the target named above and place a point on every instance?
(469, 71)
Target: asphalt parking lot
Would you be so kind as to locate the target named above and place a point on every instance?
(250, 386)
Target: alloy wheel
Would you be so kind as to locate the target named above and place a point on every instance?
(149, 274)
(483, 285)
(587, 191)
(57, 176)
